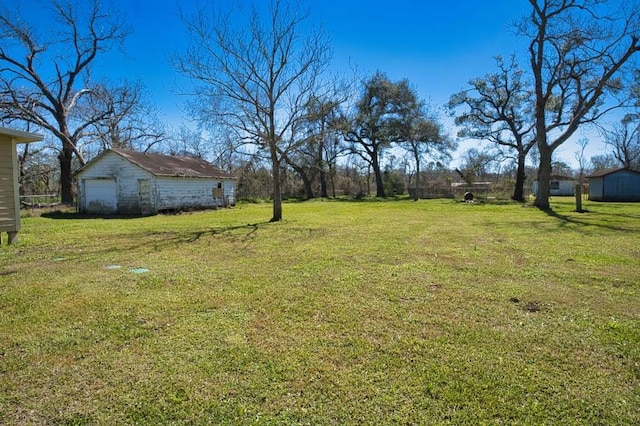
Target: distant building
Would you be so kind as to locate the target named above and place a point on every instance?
(618, 184)
(137, 183)
(558, 186)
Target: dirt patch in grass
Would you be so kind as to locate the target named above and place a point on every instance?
(529, 306)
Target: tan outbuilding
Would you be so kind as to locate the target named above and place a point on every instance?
(9, 193)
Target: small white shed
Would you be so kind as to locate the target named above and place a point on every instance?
(9, 192)
(558, 185)
(128, 182)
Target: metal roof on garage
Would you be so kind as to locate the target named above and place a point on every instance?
(170, 165)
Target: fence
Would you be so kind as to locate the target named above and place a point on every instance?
(39, 201)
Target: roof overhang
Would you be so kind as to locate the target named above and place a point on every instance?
(18, 136)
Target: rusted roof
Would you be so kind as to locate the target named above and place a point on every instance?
(605, 172)
(174, 166)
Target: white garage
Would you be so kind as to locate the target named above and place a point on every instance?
(137, 183)
(100, 195)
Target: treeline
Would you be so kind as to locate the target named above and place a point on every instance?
(269, 108)
(350, 177)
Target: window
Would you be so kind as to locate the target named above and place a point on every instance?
(554, 185)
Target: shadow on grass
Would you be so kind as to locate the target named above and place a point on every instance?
(367, 199)
(599, 220)
(241, 234)
(251, 229)
(66, 215)
(70, 215)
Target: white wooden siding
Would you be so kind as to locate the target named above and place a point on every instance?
(126, 176)
(565, 187)
(184, 193)
(8, 206)
(561, 187)
(229, 192)
(164, 193)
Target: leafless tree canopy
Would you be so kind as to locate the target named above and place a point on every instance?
(424, 136)
(254, 71)
(133, 122)
(45, 76)
(624, 141)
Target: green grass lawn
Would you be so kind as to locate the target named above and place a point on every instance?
(345, 313)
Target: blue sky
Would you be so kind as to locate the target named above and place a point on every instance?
(437, 45)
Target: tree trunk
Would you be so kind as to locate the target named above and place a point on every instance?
(368, 180)
(306, 180)
(323, 172)
(308, 187)
(323, 183)
(416, 195)
(378, 175)
(544, 177)
(277, 191)
(332, 175)
(66, 176)
(518, 191)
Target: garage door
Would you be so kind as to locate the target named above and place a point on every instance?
(100, 196)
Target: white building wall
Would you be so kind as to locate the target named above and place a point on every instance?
(126, 175)
(565, 187)
(9, 211)
(180, 193)
(165, 193)
(562, 187)
(229, 187)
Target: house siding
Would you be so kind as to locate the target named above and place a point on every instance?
(141, 192)
(565, 187)
(9, 222)
(229, 192)
(9, 180)
(126, 176)
(188, 193)
(557, 187)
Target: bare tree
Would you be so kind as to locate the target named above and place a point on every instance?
(475, 164)
(578, 52)
(133, 122)
(313, 158)
(581, 159)
(37, 170)
(255, 79)
(624, 141)
(601, 162)
(44, 78)
(498, 110)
